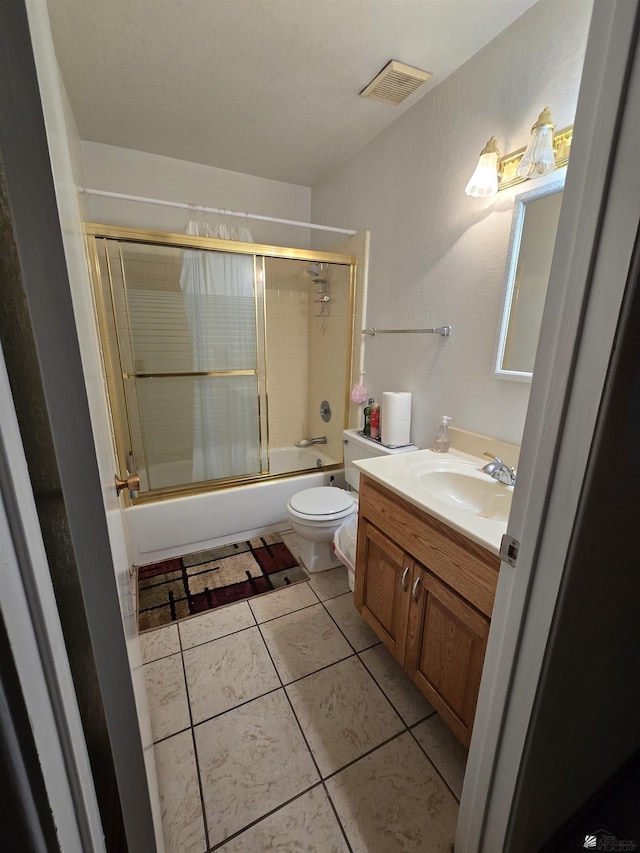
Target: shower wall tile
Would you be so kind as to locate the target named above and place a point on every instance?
(287, 360)
(304, 358)
(329, 361)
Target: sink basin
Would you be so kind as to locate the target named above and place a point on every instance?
(451, 487)
(463, 487)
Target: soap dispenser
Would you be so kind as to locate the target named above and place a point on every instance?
(442, 442)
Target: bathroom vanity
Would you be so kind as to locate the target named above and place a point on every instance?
(424, 587)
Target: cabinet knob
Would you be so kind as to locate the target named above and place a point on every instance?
(404, 578)
(414, 591)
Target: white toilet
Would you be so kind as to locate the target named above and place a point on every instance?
(316, 514)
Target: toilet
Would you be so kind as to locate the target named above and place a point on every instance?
(316, 514)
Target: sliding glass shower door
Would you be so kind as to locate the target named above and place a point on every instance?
(191, 326)
(191, 356)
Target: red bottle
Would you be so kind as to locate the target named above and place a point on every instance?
(374, 421)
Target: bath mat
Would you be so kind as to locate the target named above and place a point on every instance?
(184, 586)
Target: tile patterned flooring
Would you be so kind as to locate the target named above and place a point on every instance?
(281, 723)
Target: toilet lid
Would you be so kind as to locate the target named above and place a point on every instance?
(324, 500)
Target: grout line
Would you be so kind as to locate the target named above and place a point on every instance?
(282, 686)
(273, 811)
(335, 622)
(282, 615)
(157, 660)
(195, 748)
(306, 742)
(304, 737)
(366, 754)
(313, 758)
(372, 646)
(330, 597)
(173, 734)
(235, 707)
(338, 626)
(323, 779)
(381, 689)
(313, 590)
(435, 767)
(162, 656)
(316, 671)
(337, 816)
(213, 639)
(295, 716)
(408, 725)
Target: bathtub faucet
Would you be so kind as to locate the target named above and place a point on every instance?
(307, 442)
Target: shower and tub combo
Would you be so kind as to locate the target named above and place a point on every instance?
(228, 374)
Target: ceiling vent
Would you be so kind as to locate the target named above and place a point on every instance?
(395, 82)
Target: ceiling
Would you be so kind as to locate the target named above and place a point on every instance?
(264, 87)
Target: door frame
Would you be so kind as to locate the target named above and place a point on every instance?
(593, 254)
(43, 205)
(30, 615)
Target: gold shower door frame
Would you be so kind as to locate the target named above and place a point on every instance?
(111, 347)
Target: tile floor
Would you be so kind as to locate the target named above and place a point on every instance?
(281, 723)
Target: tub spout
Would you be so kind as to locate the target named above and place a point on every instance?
(307, 442)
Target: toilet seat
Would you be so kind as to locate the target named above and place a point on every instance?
(324, 503)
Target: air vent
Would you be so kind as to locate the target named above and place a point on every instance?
(395, 82)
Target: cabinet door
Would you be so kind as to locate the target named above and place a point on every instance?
(446, 643)
(383, 581)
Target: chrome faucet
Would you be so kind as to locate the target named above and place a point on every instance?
(307, 442)
(499, 471)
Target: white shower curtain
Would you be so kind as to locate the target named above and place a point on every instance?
(219, 300)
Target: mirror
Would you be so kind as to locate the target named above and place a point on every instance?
(533, 236)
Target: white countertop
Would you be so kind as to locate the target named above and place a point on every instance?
(450, 487)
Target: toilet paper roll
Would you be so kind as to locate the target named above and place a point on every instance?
(395, 420)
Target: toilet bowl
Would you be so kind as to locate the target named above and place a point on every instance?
(315, 515)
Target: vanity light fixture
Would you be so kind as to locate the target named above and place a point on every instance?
(540, 157)
(546, 151)
(484, 181)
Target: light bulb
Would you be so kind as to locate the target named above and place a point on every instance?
(539, 158)
(484, 181)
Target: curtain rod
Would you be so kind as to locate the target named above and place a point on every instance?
(200, 209)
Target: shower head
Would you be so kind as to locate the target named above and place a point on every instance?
(313, 269)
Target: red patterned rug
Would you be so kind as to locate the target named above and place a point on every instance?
(183, 586)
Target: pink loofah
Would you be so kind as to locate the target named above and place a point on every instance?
(359, 394)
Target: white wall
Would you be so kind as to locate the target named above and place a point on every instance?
(152, 176)
(437, 256)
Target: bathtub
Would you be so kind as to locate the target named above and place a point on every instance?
(158, 531)
(283, 459)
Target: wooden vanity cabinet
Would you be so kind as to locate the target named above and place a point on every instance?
(445, 647)
(429, 599)
(384, 593)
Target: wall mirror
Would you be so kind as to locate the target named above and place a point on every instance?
(533, 235)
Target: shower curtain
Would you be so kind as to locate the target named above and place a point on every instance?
(218, 290)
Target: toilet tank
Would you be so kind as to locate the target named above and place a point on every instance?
(358, 446)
